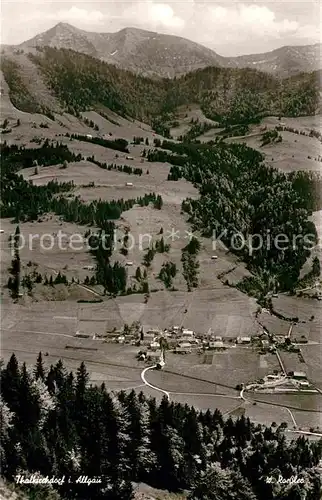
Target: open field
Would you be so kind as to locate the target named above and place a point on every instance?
(300, 307)
(273, 324)
(163, 310)
(295, 152)
(207, 402)
(266, 415)
(303, 401)
(37, 239)
(291, 362)
(308, 415)
(234, 366)
(172, 379)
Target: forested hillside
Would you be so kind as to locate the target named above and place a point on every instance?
(241, 202)
(81, 82)
(240, 197)
(54, 423)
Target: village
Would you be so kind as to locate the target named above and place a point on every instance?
(155, 344)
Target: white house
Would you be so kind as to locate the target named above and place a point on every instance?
(89, 136)
(299, 375)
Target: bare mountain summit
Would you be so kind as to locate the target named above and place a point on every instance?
(146, 52)
(154, 54)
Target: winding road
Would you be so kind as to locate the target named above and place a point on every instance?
(150, 385)
(241, 397)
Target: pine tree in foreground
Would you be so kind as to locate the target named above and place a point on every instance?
(56, 424)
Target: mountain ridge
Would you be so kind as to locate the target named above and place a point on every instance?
(160, 55)
(52, 79)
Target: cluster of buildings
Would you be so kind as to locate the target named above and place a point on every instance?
(180, 340)
(293, 382)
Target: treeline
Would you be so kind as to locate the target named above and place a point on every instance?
(90, 123)
(23, 201)
(120, 168)
(56, 423)
(19, 93)
(311, 133)
(116, 144)
(167, 273)
(28, 282)
(17, 157)
(112, 277)
(164, 156)
(190, 263)
(97, 212)
(174, 174)
(233, 131)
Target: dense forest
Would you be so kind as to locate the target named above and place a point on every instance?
(241, 197)
(56, 423)
(23, 99)
(229, 96)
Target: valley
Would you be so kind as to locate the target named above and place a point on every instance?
(213, 306)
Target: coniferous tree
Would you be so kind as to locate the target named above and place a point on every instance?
(73, 428)
(16, 265)
(39, 368)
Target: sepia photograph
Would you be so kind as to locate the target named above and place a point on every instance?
(160, 250)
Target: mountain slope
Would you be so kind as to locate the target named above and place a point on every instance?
(80, 82)
(284, 61)
(149, 53)
(154, 54)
